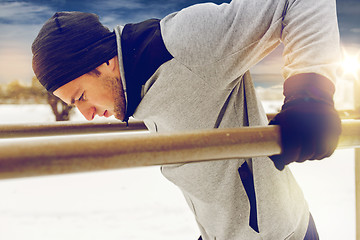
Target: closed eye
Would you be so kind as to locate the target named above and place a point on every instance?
(82, 97)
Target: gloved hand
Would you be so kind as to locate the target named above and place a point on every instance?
(309, 124)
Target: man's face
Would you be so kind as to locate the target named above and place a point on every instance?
(95, 94)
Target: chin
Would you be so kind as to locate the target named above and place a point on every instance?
(119, 116)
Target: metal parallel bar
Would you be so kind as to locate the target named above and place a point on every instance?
(66, 128)
(344, 114)
(357, 162)
(58, 155)
(357, 191)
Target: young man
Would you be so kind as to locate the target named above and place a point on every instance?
(190, 71)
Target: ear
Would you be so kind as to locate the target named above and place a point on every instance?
(112, 64)
(108, 66)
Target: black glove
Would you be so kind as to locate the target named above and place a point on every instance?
(309, 124)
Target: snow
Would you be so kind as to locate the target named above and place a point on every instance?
(139, 203)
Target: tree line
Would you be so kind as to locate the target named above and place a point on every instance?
(16, 92)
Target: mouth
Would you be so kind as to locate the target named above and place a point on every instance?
(106, 114)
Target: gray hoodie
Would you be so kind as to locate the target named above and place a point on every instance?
(190, 71)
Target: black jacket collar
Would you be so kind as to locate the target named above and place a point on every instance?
(143, 52)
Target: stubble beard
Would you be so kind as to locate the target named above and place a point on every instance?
(115, 87)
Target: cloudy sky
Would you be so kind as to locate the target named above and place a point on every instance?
(21, 20)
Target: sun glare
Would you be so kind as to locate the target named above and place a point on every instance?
(351, 64)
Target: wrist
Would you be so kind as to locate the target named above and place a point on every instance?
(308, 88)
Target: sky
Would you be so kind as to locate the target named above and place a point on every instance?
(20, 22)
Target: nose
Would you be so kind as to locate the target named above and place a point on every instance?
(87, 111)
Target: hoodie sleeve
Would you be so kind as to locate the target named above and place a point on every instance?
(228, 39)
(206, 33)
(311, 38)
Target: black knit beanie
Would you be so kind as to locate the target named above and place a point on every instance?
(69, 45)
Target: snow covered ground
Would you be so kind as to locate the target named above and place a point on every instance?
(134, 204)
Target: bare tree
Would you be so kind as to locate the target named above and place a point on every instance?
(61, 110)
